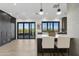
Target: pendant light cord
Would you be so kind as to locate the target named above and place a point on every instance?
(41, 5)
(58, 6)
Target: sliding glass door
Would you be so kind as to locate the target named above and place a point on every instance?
(27, 29)
(32, 30)
(20, 30)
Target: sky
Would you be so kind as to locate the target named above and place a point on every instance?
(26, 25)
(45, 25)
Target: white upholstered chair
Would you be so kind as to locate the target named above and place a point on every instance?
(48, 42)
(63, 42)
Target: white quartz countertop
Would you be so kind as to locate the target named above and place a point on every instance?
(57, 35)
(44, 35)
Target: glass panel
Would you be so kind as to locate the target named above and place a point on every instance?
(32, 30)
(20, 30)
(49, 26)
(26, 30)
(56, 27)
(26, 27)
(44, 26)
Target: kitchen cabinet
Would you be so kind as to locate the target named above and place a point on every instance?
(5, 27)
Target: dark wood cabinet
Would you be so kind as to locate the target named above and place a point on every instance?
(5, 27)
(64, 24)
(13, 28)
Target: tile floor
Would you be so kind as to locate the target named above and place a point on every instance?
(19, 48)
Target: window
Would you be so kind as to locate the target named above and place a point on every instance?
(44, 26)
(50, 26)
(26, 30)
(56, 27)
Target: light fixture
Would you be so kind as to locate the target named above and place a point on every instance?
(59, 10)
(41, 10)
(14, 4)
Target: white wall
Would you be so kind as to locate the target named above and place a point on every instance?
(73, 27)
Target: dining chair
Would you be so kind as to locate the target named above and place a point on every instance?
(48, 42)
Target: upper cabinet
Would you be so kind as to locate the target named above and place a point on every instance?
(7, 28)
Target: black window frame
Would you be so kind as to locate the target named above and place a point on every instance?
(29, 30)
(51, 23)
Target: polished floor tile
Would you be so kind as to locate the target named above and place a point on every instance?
(19, 48)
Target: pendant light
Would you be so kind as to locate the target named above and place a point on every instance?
(41, 10)
(59, 10)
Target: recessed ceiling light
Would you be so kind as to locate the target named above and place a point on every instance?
(14, 4)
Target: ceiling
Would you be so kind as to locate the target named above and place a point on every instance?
(29, 10)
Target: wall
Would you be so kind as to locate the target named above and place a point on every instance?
(73, 27)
